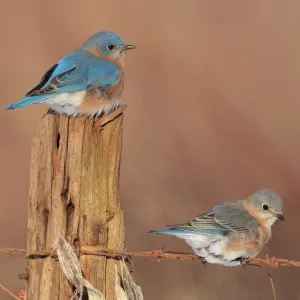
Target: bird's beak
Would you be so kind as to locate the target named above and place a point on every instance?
(127, 47)
(277, 215)
(280, 217)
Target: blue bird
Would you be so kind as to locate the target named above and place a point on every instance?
(88, 81)
(231, 232)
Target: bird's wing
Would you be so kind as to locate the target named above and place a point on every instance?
(43, 81)
(203, 224)
(67, 81)
(76, 72)
(222, 220)
(235, 217)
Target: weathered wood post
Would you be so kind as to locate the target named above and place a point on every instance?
(74, 179)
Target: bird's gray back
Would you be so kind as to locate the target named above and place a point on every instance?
(234, 216)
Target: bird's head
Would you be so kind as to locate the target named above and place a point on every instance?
(266, 206)
(107, 45)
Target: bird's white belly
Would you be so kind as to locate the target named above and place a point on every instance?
(211, 248)
(69, 104)
(66, 103)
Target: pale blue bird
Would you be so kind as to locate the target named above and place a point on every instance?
(88, 81)
(233, 232)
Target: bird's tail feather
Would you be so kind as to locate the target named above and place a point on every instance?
(170, 231)
(28, 100)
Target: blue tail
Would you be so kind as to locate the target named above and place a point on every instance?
(26, 101)
(171, 231)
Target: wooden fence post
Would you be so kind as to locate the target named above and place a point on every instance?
(74, 179)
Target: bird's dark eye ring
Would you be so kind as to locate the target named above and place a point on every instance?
(265, 207)
(110, 47)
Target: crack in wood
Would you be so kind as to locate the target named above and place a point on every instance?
(64, 193)
(70, 207)
(57, 140)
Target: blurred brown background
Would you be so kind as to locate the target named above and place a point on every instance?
(213, 94)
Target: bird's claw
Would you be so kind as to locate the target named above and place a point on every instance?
(245, 262)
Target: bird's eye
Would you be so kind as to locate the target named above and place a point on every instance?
(110, 47)
(265, 207)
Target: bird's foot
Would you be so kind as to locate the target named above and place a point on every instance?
(101, 122)
(244, 262)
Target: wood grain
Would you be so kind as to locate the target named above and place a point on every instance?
(74, 179)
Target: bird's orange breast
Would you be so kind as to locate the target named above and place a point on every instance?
(242, 242)
(102, 97)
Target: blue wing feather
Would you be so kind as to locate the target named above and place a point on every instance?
(186, 231)
(26, 101)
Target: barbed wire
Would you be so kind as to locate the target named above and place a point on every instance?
(160, 254)
(271, 262)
